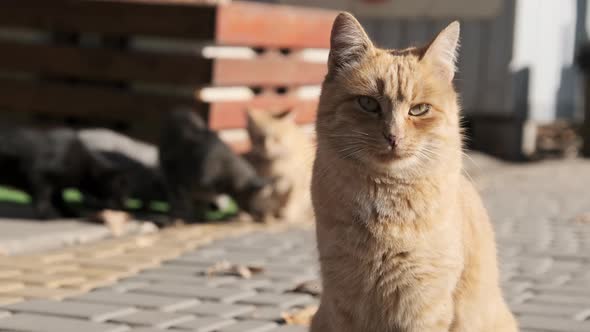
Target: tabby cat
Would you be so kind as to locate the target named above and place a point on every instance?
(282, 151)
(405, 243)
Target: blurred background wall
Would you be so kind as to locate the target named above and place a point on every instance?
(516, 69)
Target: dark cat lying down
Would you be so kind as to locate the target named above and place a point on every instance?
(137, 159)
(44, 162)
(197, 166)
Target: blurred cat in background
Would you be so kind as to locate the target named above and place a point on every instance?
(283, 152)
(45, 162)
(138, 159)
(198, 166)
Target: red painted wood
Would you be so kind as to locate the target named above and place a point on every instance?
(272, 70)
(256, 24)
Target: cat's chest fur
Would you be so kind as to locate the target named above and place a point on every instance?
(387, 237)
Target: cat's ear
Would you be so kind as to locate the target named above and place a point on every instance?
(443, 50)
(348, 43)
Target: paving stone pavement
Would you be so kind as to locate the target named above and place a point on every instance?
(18, 236)
(223, 279)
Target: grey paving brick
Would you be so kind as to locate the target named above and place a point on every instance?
(290, 328)
(219, 309)
(4, 314)
(281, 265)
(92, 311)
(164, 277)
(534, 308)
(516, 287)
(42, 323)
(278, 300)
(205, 324)
(226, 295)
(278, 286)
(563, 289)
(196, 262)
(148, 301)
(273, 314)
(287, 276)
(175, 267)
(146, 329)
(249, 326)
(552, 324)
(247, 283)
(127, 285)
(265, 244)
(152, 318)
(559, 298)
(245, 259)
(258, 251)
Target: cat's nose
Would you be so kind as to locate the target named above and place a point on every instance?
(392, 139)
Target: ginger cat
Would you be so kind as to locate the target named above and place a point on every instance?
(405, 243)
(283, 152)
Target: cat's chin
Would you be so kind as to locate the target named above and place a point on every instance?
(392, 157)
(391, 161)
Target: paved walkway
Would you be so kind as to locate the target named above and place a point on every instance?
(258, 279)
(19, 236)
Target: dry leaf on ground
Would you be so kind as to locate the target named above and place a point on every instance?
(116, 221)
(229, 269)
(300, 316)
(583, 218)
(311, 287)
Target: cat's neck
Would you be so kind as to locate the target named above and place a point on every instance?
(396, 197)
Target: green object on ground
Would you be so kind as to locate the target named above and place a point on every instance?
(72, 195)
(159, 206)
(231, 210)
(12, 195)
(133, 204)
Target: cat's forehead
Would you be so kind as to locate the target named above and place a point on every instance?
(390, 62)
(389, 72)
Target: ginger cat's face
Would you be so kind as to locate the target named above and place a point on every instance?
(389, 108)
(271, 133)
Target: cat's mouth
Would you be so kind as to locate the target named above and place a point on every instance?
(392, 155)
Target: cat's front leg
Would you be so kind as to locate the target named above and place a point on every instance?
(435, 315)
(323, 321)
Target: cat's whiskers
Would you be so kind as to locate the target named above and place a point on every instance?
(356, 138)
(359, 132)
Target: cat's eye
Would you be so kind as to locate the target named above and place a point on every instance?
(368, 104)
(420, 109)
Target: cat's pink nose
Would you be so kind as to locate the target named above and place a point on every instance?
(392, 140)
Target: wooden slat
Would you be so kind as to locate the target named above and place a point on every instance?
(66, 99)
(167, 19)
(228, 115)
(248, 23)
(268, 71)
(105, 64)
(81, 100)
(233, 23)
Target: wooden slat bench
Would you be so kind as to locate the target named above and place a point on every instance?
(122, 63)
